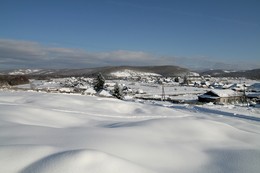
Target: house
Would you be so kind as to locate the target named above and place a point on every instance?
(254, 87)
(222, 96)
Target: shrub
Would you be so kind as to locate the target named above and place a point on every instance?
(117, 92)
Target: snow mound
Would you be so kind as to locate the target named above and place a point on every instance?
(90, 91)
(82, 161)
(104, 93)
(132, 73)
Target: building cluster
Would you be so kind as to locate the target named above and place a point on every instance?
(218, 90)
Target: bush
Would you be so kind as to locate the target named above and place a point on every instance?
(117, 92)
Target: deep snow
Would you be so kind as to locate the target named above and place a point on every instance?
(62, 133)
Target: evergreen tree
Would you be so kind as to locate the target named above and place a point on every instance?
(117, 92)
(99, 82)
(176, 79)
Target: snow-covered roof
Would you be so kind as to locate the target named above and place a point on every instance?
(226, 86)
(225, 93)
(255, 86)
(253, 95)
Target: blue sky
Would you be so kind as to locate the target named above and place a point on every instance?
(87, 33)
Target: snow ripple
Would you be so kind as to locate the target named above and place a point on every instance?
(82, 161)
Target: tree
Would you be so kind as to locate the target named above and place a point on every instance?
(99, 82)
(185, 80)
(13, 80)
(117, 92)
(176, 79)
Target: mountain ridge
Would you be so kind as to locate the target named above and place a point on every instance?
(250, 74)
(167, 70)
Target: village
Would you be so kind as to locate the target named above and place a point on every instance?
(191, 88)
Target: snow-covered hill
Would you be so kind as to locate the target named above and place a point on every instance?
(132, 73)
(29, 72)
(24, 71)
(62, 133)
(106, 71)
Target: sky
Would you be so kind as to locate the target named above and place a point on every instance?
(89, 33)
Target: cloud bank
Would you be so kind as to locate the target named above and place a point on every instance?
(29, 54)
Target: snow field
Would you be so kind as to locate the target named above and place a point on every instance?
(45, 133)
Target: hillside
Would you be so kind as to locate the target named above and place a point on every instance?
(110, 71)
(106, 71)
(250, 74)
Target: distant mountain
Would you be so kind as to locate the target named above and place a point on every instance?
(124, 71)
(29, 72)
(114, 71)
(250, 74)
(106, 71)
(215, 72)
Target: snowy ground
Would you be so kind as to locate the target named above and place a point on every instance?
(64, 133)
(156, 89)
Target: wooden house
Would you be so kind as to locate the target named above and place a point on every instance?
(222, 96)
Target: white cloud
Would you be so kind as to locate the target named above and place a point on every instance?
(34, 54)
(29, 54)
(19, 49)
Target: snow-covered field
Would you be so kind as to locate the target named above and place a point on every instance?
(64, 133)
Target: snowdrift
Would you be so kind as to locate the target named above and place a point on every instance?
(45, 133)
(82, 161)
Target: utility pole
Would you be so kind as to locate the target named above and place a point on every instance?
(163, 93)
(244, 94)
